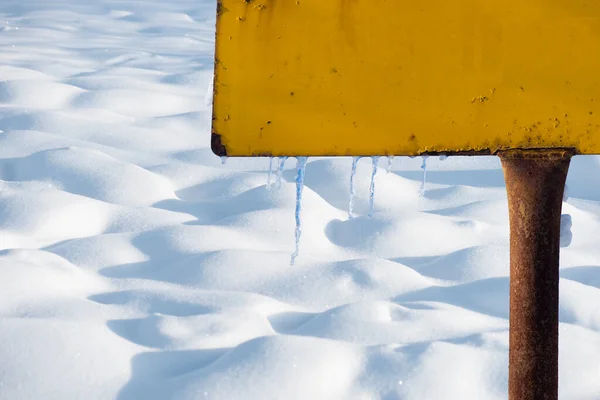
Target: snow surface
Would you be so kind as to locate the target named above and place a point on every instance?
(134, 265)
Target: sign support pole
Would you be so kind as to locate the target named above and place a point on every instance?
(535, 182)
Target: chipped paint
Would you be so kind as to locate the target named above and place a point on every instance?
(217, 145)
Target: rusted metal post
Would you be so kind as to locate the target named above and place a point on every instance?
(535, 182)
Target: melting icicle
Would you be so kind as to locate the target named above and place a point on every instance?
(282, 161)
(301, 170)
(566, 236)
(352, 187)
(390, 161)
(270, 176)
(372, 188)
(223, 159)
(424, 168)
(443, 157)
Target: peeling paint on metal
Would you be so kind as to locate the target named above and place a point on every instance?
(217, 146)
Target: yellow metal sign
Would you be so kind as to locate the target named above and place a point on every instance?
(400, 77)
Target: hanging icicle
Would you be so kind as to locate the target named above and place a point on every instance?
(270, 175)
(352, 187)
(372, 188)
(388, 167)
(282, 161)
(443, 157)
(566, 235)
(223, 159)
(301, 170)
(424, 168)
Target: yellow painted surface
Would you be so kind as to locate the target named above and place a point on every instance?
(400, 77)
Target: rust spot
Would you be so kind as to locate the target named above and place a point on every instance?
(539, 154)
(479, 99)
(471, 152)
(220, 8)
(503, 152)
(412, 138)
(217, 146)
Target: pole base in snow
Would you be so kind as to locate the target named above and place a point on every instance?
(535, 181)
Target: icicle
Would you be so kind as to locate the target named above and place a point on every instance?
(424, 168)
(566, 193)
(443, 157)
(282, 161)
(301, 170)
(270, 175)
(372, 188)
(388, 167)
(566, 236)
(352, 187)
(223, 159)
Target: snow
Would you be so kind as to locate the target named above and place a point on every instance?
(135, 265)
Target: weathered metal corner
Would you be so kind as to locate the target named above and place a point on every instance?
(217, 146)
